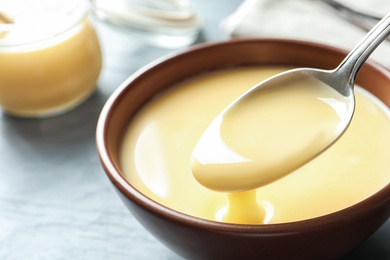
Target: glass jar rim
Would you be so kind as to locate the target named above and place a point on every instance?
(77, 10)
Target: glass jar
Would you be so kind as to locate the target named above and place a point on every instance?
(50, 56)
(164, 23)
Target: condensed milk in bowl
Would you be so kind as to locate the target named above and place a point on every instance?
(50, 56)
(148, 129)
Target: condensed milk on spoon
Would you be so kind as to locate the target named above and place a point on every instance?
(265, 138)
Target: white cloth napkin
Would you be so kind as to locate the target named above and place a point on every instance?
(308, 20)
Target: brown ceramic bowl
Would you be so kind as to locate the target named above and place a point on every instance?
(326, 237)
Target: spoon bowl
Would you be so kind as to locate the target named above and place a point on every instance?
(249, 146)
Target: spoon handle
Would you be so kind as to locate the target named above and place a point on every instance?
(355, 59)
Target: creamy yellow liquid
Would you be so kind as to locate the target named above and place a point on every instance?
(47, 66)
(157, 150)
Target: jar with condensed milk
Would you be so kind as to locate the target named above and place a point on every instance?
(50, 56)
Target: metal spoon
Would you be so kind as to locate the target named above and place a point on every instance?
(213, 159)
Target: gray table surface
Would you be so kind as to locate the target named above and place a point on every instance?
(55, 200)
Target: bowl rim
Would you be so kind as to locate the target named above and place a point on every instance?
(129, 191)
